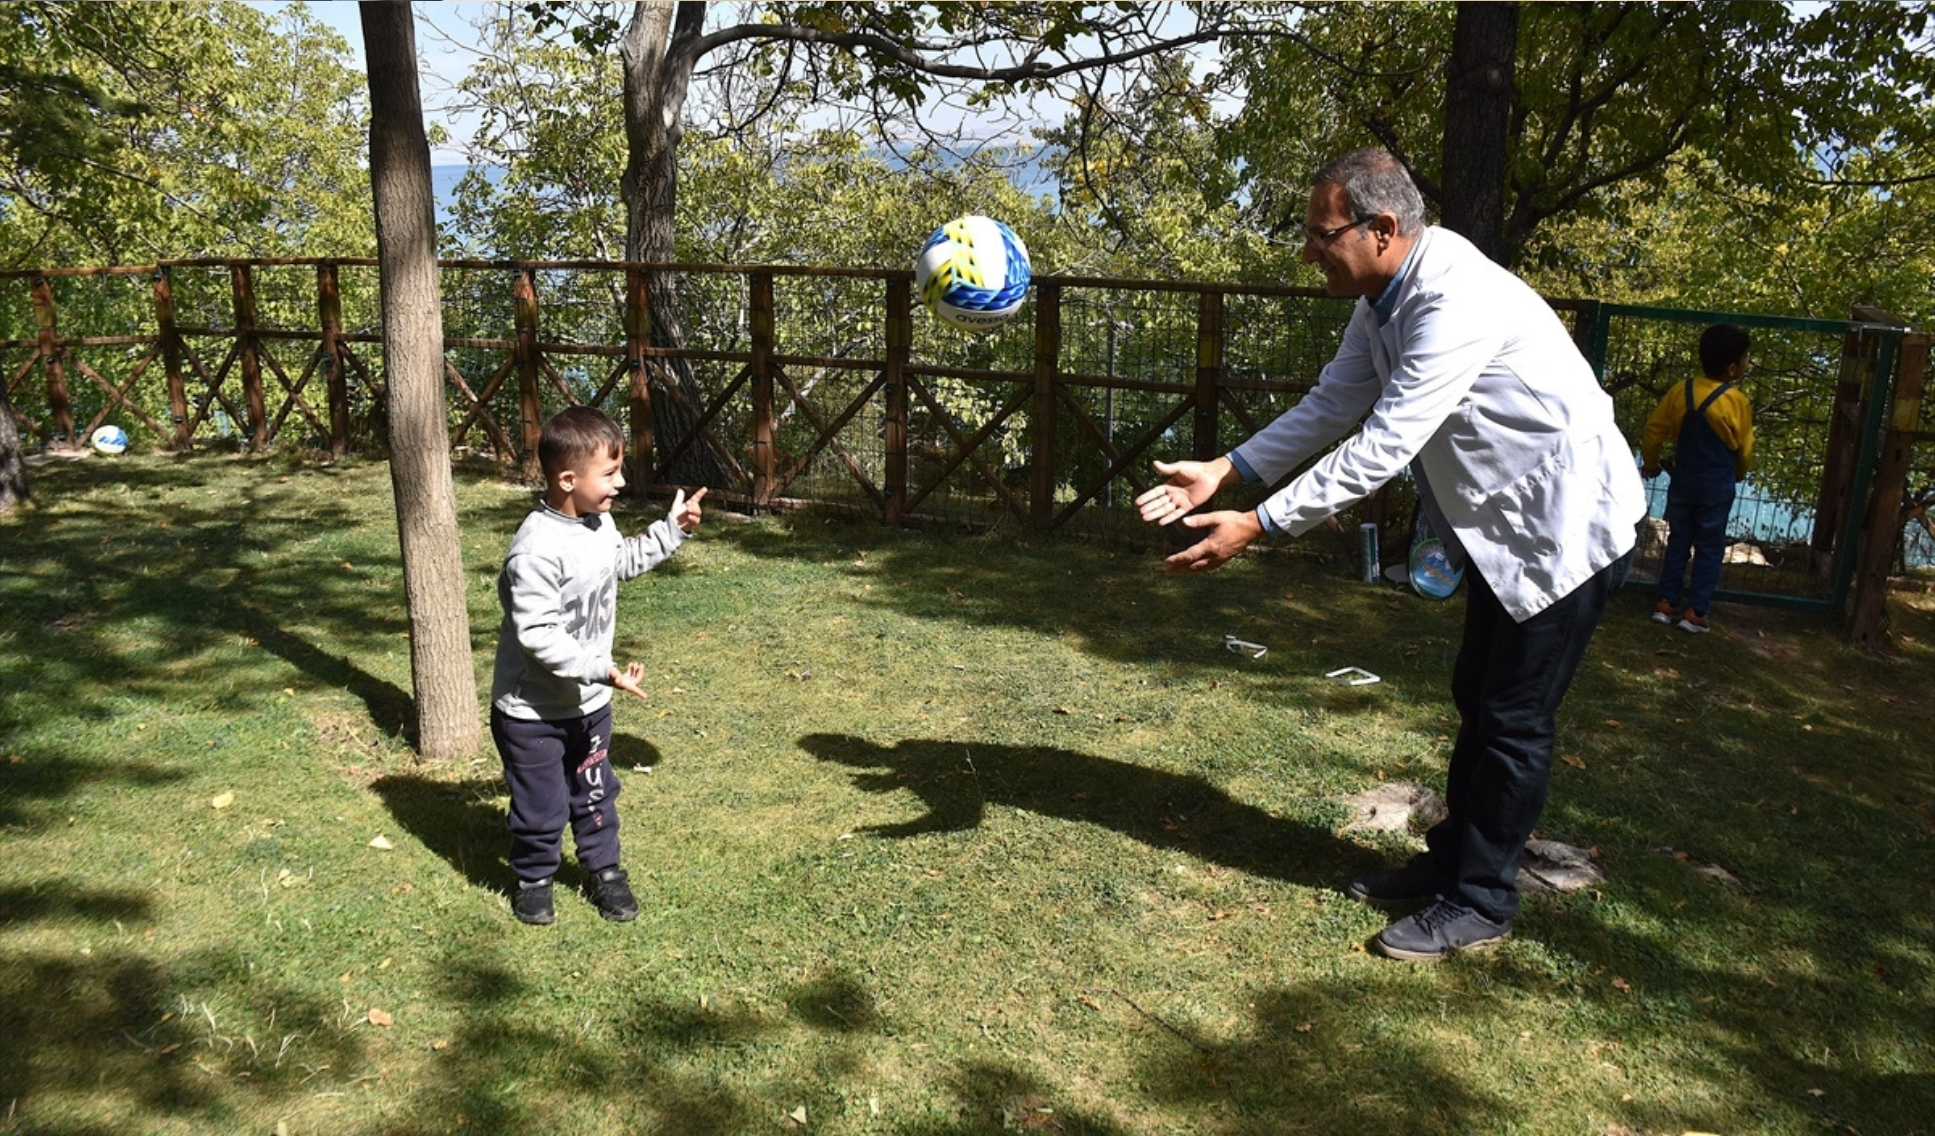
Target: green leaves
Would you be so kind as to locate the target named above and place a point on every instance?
(135, 131)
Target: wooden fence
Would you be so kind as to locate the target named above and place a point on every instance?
(782, 385)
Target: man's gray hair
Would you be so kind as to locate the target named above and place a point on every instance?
(1376, 182)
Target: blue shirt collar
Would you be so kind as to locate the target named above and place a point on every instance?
(1386, 302)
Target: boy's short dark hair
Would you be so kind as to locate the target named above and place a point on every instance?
(574, 434)
(1721, 346)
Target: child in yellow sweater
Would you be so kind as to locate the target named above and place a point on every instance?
(1712, 425)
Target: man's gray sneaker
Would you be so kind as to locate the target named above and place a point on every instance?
(1417, 883)
(531, 903)
(1439, 931)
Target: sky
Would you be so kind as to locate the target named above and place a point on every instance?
(446, 45)
(446, 42)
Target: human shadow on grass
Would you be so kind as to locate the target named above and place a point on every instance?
(463, 821)
(958, 779)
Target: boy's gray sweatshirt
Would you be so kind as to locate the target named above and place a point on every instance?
(559, 591)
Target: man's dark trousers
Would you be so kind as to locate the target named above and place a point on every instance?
(1508, 682)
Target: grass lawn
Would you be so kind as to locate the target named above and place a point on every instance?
(934, 834)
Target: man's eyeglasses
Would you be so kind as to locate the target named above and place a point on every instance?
(1325, 236)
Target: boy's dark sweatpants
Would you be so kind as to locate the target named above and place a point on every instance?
(558, 771)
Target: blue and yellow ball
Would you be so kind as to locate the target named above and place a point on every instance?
(973, 273)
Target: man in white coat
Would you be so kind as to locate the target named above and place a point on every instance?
(1458, 370)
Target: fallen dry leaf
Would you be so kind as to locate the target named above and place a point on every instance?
(379, 1018)
(222, 800)
(1574, 762)
(1621, 985)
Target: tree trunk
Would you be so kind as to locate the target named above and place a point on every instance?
(426, 506)
(13, 472)
(656, 52)
(1478, 107)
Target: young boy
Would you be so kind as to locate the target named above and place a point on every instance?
(551, 689)
(1713, 427)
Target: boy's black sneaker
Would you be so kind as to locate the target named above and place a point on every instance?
(611, 894)
(1418, 882)
(531, 903)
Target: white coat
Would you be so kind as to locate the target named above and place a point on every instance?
(1476, 386)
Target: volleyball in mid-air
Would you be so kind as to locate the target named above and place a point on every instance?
(972, 273)
(109, 439)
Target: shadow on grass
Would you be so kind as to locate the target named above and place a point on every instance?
(460, 821)
(499, 1074)
(157, 1039)
(1121, 606)
(60, 900)
(1323, 1057)
(664, 1073)
(957, 780)
(38, 778)
(835, 1001)
(138, 1035)
(156, 550)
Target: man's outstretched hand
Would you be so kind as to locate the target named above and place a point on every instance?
(1230, 532)
(1190, 484)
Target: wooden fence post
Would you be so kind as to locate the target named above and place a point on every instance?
(50, 359)
(530, 412)
(1210, 355)
(638, 336)
(1048, 356)
(1832, 505)
(242, 284)
(329, 308)
(169, 340)
(900, 345)
(764, 440)
(1881, 522)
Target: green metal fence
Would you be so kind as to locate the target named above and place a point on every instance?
(1819, 389)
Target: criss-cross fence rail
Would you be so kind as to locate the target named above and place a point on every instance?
(783, 385)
